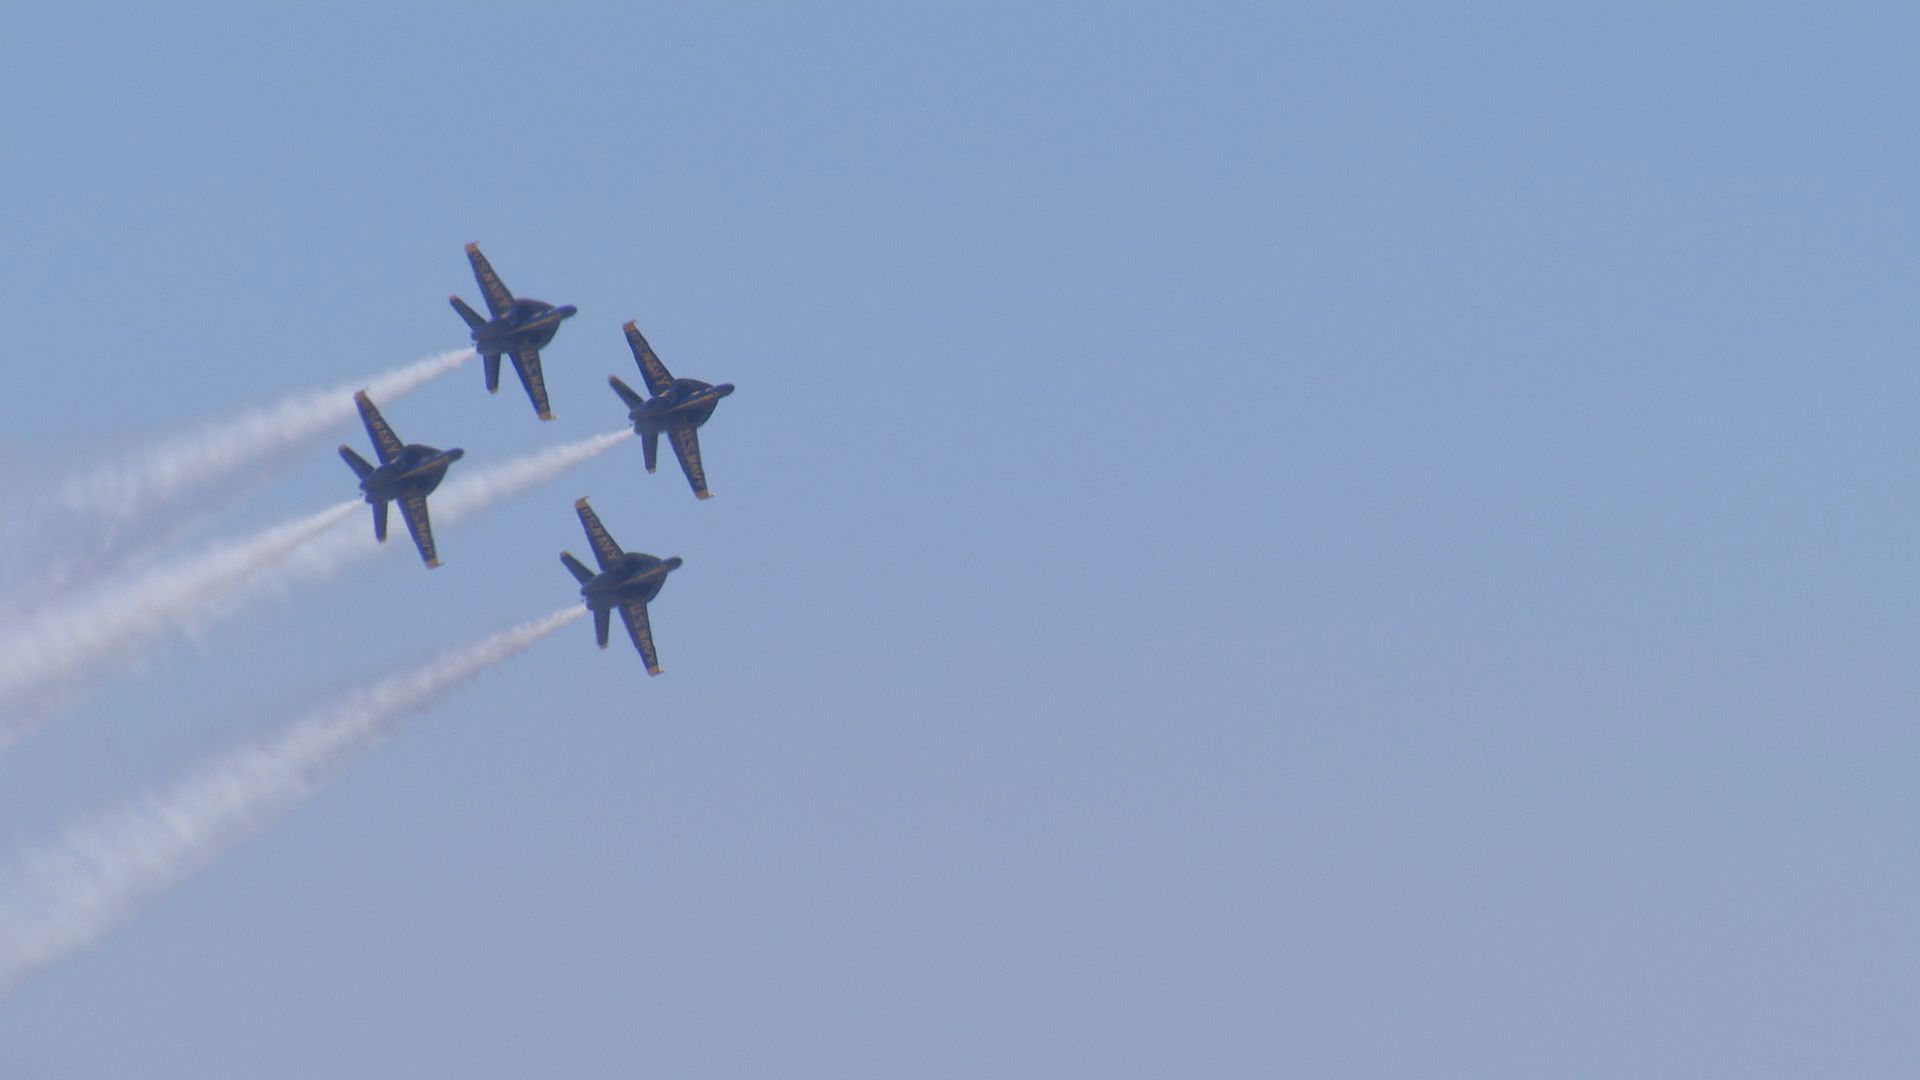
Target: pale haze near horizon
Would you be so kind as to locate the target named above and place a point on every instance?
(1258, 541)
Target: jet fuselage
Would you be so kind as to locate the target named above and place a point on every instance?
(417, 470)
(527, 324)
(633, 578)
(688, 402)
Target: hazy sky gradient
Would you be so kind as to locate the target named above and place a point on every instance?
(1251, 541)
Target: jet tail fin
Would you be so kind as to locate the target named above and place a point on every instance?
(602, 622)
(493, 372)
(580, 572)
(474, 321)
(650, 443)
(380, 521)
(359, 464)
(626, 393)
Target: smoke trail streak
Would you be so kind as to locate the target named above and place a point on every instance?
(59, 899)
(42, 662)
(64, 642)
(218, 453)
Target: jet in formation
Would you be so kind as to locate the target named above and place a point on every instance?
(677, 407)
(626, 582)
(519, 328)
(407, 474)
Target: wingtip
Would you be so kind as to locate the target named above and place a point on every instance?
(431, 563)
(656, 671)
(361, 395)
(703, 496)
(473, 249)
(580, 503)
(630, 325)
(546, 416)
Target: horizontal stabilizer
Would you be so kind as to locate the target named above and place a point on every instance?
(474, 321)
(360, 465)
(626, 393)
(580, 572)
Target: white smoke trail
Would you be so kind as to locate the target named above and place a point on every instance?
(42, 661)
(225, 451)
(52, 650)
(61, 898)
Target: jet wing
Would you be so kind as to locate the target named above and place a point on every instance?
(498, 298)
(385, 442)
(651, 368)
(526, 362)
(414, 509)
(686, 447)
(605, 551)
(635, 616)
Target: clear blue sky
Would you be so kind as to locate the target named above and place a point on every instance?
(1252, 541)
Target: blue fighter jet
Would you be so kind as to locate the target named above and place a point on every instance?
(519, 328)
(678, 407)
(407, 474)
(627, 580)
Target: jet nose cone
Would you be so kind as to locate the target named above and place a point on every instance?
(673, 562)
(723, 389)
(567, 311)
(455, 454)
